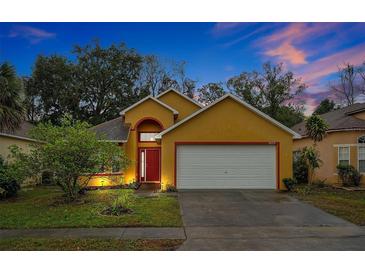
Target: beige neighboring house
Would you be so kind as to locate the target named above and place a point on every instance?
(344, 142)
(18, 137)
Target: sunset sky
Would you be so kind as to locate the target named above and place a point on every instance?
(213, 51)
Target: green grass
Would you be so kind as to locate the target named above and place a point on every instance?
(349, 205)
(34, 244)
(43, 207)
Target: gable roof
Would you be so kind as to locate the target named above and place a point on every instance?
(20, 133)
(228, 95)
(181, 94)
(338, 120)
(148, 98)
(114, 130)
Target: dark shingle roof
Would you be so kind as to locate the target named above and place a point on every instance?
(339, 119)
(113, 130)
(22, 131)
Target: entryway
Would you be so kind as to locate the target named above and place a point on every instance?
(149, 165)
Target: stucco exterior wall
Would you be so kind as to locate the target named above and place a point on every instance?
(5, 142)
(227, 121)
(182, 105)
(147, 109)
(329, 153)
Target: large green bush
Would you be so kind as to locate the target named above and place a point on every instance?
(67, 152)
(348, 175)
(9, 185)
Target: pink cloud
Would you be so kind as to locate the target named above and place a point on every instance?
(325, 66)
(34, 35)
(287, 52)
(283, 43)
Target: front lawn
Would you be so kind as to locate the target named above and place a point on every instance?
(349, 205)
(43, 207)
(31, 244)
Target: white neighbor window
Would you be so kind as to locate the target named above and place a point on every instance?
(361, 154)
(344, 155)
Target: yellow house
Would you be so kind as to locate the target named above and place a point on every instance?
(17, 137)
(344, 142)
(172, 140)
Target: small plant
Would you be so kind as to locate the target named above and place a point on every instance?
(348, 175)
(121, 205)
(289, 183)
(171, 188)
(133, 185)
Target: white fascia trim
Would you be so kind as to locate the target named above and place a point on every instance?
(20, 138)
(152, 98)
(263, 115)
(182, 95)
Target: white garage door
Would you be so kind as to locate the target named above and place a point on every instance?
(226, 166)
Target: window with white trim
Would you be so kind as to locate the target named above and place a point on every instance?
(344, 155)
(361, 154)
(147, 136)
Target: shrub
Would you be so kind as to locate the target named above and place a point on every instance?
(289, 183)
(171, 188)
(348, 175)
(9, 185)
(300, 169)
(121, 204)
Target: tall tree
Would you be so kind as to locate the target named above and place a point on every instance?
(210, 92)
(185, 85)
(152, 75)
(268, 90)
(51, 90)
(106, 78)
(347, 87)
(290, 115)
(324, 106)
(11, 104)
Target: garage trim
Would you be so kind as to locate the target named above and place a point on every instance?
(277, 150)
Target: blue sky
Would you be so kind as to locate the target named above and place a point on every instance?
(213, 51)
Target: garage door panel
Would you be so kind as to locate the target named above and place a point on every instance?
(225, 166)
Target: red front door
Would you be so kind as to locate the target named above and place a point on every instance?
(149, 166)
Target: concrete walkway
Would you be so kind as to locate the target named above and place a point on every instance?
(115, 233)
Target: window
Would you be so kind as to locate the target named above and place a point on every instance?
(344, 155)
(147, 136)
(361, 154)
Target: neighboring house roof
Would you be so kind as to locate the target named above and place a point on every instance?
(263, 115)
(339, 120)
(114, 130)
(181, 94)
(151, 98)
(21, 133)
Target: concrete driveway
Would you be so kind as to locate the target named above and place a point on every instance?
(262, 220)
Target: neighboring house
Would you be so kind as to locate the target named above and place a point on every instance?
(172, 140)
(344, 142)
(19, 137)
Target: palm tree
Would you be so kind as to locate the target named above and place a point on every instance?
(11, 105)
(316, 129)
